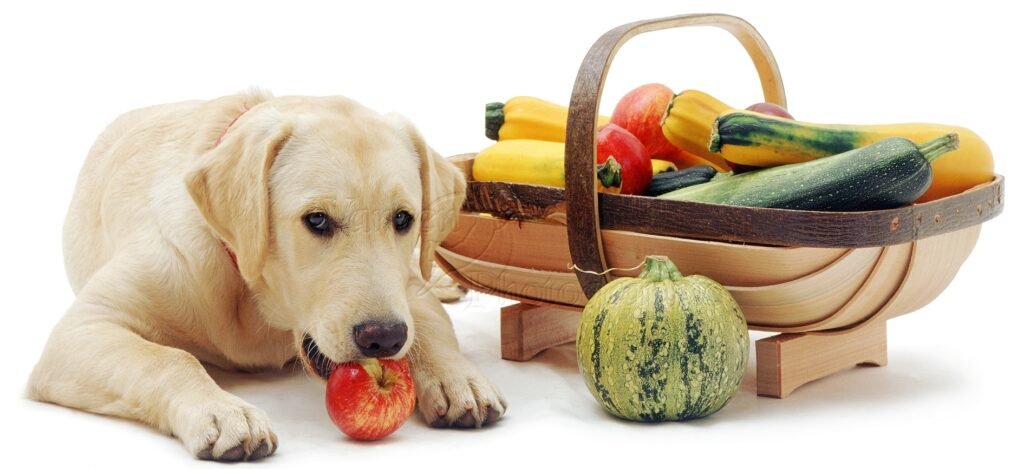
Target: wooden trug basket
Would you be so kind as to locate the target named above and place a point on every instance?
(826, 281)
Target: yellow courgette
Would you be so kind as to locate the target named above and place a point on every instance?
(687, 123)
(525, 117)
(890, 173)
(537, 162)
(755, 139)
(661, 166)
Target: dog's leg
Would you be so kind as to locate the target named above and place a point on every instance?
(441, 285)
(444, 287)
(450, 390)
(96, 361)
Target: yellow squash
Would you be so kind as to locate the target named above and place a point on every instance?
(524, 117)
(661, 166)
(536, 162)
(755, 139)
(687, 123)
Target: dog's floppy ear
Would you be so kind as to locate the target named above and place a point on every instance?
(230, 186)
(444, 189)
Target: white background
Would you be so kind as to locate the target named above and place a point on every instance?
(951, 392)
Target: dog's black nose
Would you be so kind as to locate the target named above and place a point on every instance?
(378, 339)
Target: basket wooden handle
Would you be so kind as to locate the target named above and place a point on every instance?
(584, 225)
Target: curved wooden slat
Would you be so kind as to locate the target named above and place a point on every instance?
(545, 246)
(884, 280)
(809, 299)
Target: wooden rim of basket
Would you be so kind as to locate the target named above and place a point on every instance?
(699, 220)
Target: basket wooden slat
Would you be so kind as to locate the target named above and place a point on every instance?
(778, 289)
(545, 246)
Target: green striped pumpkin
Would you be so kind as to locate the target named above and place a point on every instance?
(662, 346)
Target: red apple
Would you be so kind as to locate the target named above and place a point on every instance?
(613, 140)
(369, 399)
(640, 112)
(771, 109)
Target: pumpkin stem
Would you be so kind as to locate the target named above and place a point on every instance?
(658, 268)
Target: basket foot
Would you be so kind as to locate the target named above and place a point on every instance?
(788, 361)
(527, 330)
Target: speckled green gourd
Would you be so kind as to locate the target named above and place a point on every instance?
(662, 346)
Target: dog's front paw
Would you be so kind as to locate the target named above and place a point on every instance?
(458, 396)
(226, 429)
(444, 287)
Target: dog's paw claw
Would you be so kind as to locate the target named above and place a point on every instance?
(464, 400)
(263, 450)
(230, 431)
(234, 454)
(492, 415)
(466, 421)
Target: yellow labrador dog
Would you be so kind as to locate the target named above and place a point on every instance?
(244, 232)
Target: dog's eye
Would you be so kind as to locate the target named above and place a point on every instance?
(319, 223)
(402, 221)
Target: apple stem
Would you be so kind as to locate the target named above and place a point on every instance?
(373, 368)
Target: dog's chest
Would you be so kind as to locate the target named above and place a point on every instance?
(246, 340)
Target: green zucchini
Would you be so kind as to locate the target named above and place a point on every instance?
(671, 180)
(889, 173)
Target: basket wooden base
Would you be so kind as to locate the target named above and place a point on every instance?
(527, 330)
(788, 361)
(784, 361)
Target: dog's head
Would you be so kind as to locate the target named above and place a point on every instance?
(323, 201)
